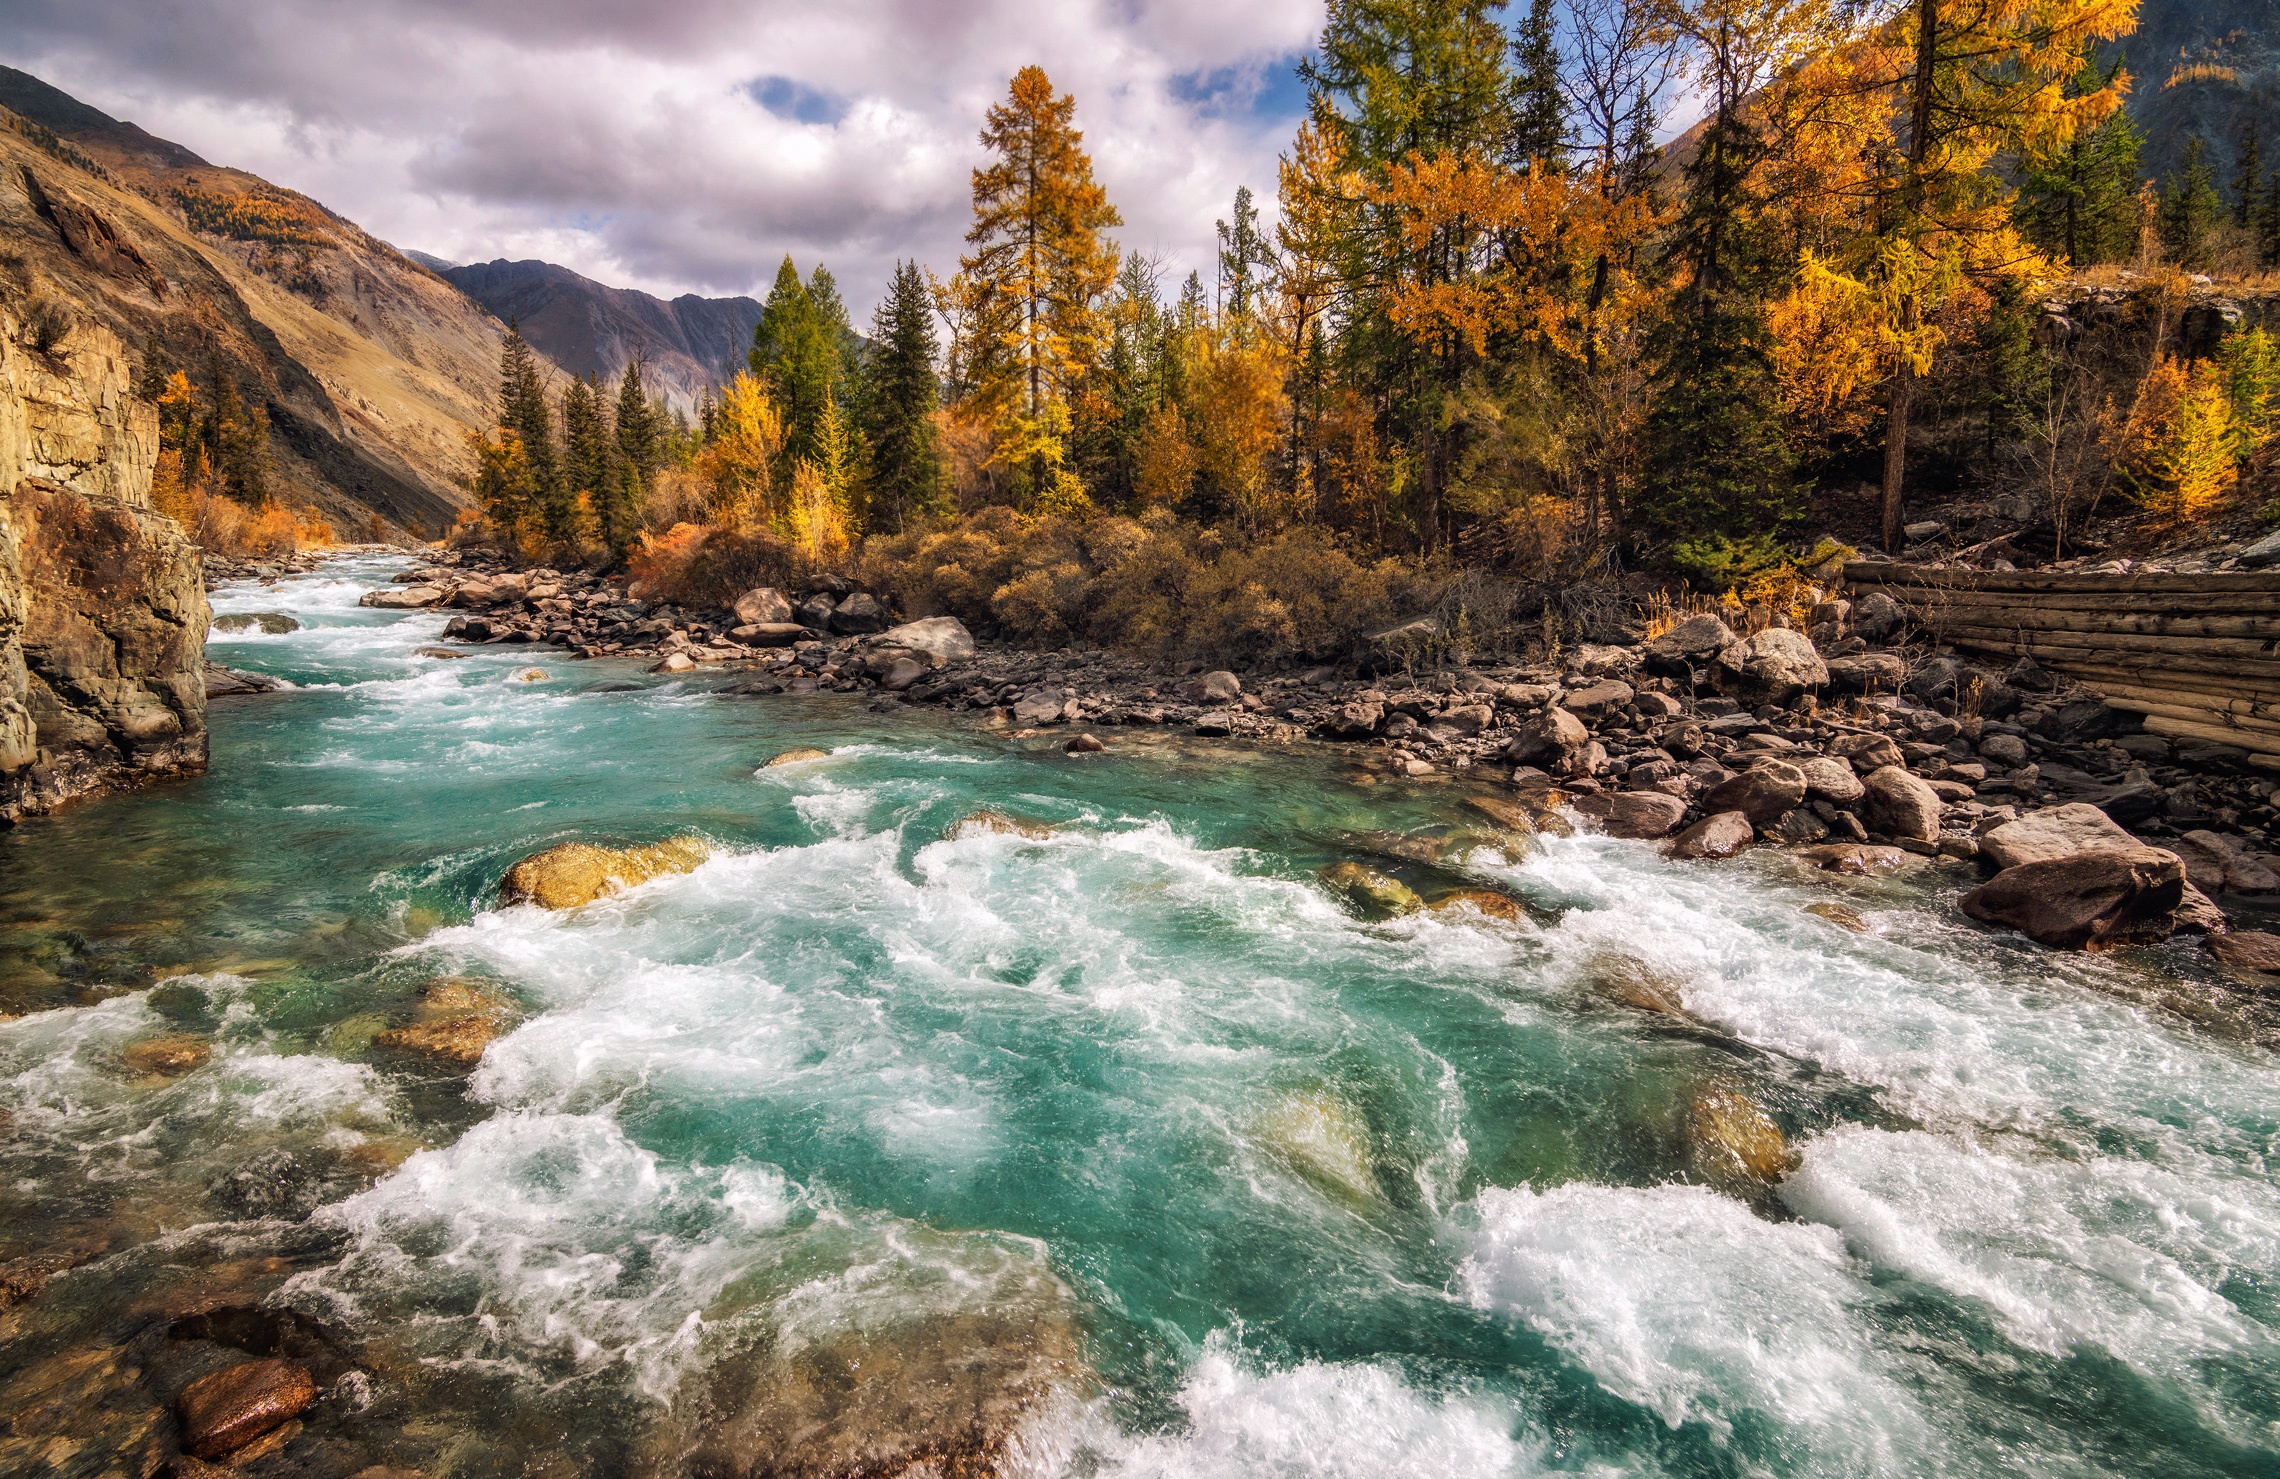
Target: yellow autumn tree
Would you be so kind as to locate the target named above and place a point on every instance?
(1033, 283)
(1968, 81)
(738, 465)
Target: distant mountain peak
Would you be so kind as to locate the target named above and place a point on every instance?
(686, 345)
(429, 260)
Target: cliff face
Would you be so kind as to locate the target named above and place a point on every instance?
(102, 601)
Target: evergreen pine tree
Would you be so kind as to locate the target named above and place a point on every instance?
(900, 393)
(2248, 173)
(800, 351)
(1242, 247)
(589, 450)
(2190, 206)
(524, 414)
(2268, 223)
(2079, 203)
(2013, 375)
(1539, 107)
(1719, 472)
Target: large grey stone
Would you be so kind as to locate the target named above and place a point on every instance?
(1632, 813)
(762, 605)
(944, 639)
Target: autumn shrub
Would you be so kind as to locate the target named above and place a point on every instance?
(658, 562)
(221, 525)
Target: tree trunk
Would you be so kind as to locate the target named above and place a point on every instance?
(1904, 378)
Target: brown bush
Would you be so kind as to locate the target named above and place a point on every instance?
(1152, 585)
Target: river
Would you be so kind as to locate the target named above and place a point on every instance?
(1132, 1119)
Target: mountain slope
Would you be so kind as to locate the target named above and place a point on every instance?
(371, 367)
(590, 329)
(2203, 67)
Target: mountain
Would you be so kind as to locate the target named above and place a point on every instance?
(371, 367)
(590, 329)
(2205, 67)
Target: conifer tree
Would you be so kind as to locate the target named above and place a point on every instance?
(589, 454)
(901, 391)
(1243, 248)
(525, 416)
(1539, 107)
(801, 351)
(2248, 173)
(2078, 200)
(2268, 223)
(1039, 266)
(2190, 206)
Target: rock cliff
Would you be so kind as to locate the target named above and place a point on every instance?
(102, 604)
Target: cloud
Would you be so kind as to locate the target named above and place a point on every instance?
(688, 145)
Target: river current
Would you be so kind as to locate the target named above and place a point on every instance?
(1264, 1188)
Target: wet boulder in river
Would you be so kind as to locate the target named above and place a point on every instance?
(225, 1410)
(1720, 835)
(1733, 1144)
(797, 757)
(2086, 899)
(270, 622)
(576, 873)
(1369, 892)
(1640, 814)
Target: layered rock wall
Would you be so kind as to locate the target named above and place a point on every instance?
(102, 601)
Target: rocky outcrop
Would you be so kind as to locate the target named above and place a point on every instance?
(572, 874)
(102, 601)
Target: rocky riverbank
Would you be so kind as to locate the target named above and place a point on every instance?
(102, 617)
(1855, 743)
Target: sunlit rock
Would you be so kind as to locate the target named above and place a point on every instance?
(1733, 1144)
(799, 756)
(1369, 892)
(228, 1409)
(576, 873)
(167, 1057)
(1844, 916)
(988, 820)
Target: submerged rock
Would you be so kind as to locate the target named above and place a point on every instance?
(575, 873)
(945, 1396)
(1487, 901)
(799, 756)
(1859, 859)
(988, 820)
(1322, 1138)
(167, 1057)
(226, 1410)
(1369, 892)
(1631, 982)
(1084, 744)
(2254, 951)
(1733, 1144)
(1844, 916)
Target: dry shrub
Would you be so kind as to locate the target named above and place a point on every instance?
(1152, 585)
(658, 563)
(678, 495)
(221, 525)
(730, 562)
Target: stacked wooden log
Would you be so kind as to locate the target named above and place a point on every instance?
(2197, 655)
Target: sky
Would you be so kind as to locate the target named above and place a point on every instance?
(687, 145)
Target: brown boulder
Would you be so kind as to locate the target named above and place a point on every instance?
(1633, 813)
(762, 606)
(2084, 900)
(1903, 805)
(2247, 950)
(167, 1056)
(2054, 832)
(1085, 744)
(1487, 901)
(1844, 916)
(1369, 892)
(1734, 1145)
(1719, 836)
(575, 873)
(1866, 751)
(1598, 699)
(227, 1409)
(1831, 778)
(1761, 793)
(1555, 735)
(799, 756)
(989, 820)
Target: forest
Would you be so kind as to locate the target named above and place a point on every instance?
(1493, 330)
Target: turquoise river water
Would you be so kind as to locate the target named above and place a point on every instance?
(1289, 1193)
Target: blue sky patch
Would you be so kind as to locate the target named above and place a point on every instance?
(796, 101)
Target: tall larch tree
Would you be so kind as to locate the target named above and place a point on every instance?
(1039, 267)
(1973, 79)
